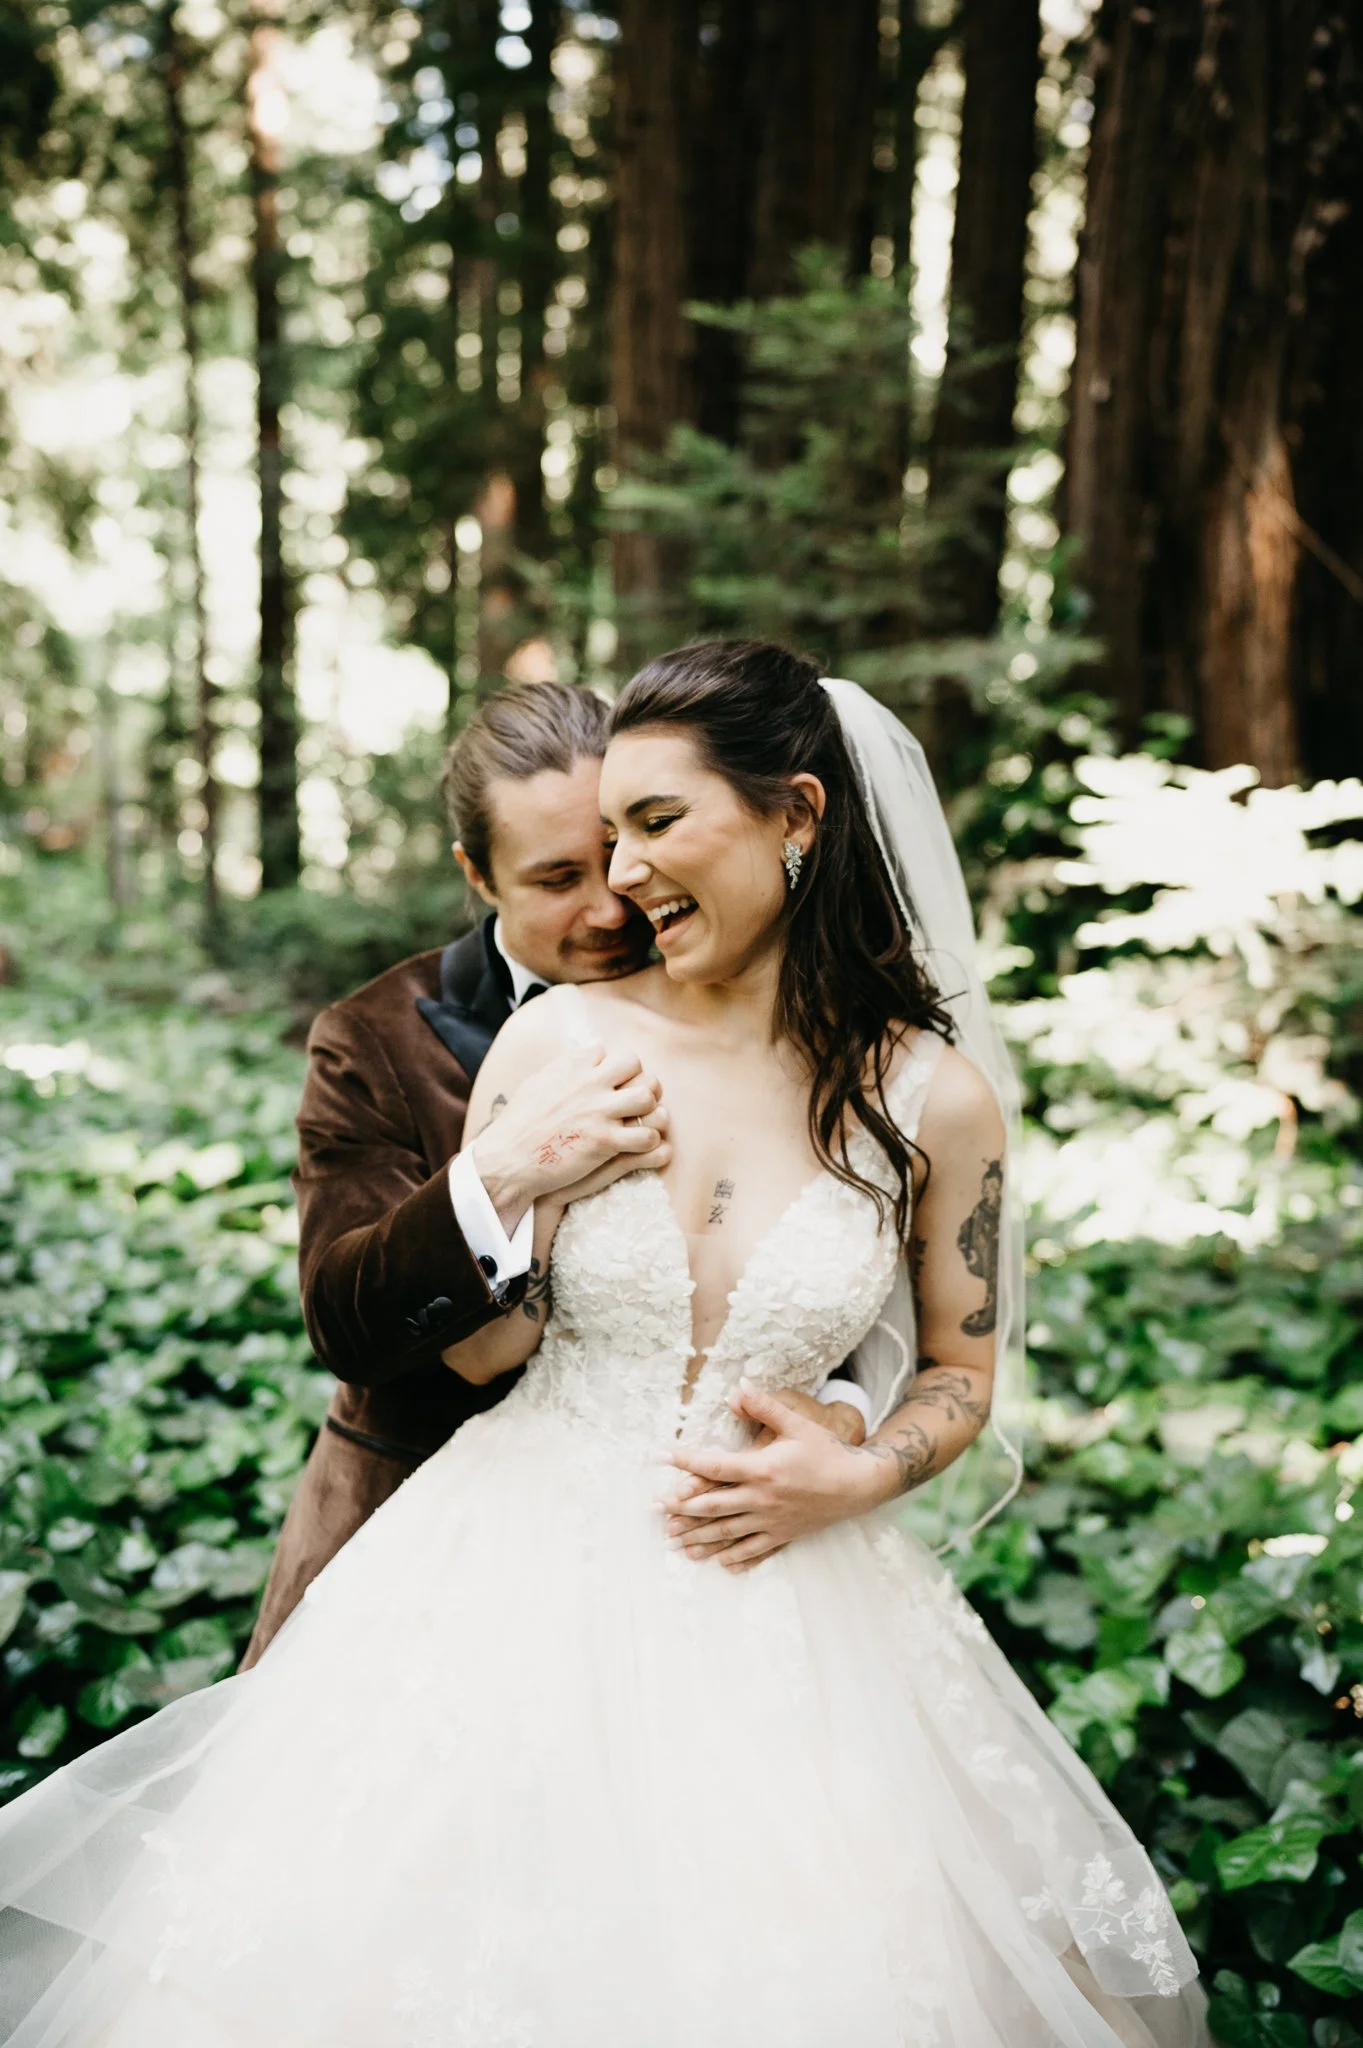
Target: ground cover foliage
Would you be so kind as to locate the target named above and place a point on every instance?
(1182, 1580)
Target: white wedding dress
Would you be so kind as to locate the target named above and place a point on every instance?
(517, 1775)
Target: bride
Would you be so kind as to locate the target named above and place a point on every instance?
(521, 1773)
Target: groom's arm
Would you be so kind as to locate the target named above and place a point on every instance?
(387, 1277)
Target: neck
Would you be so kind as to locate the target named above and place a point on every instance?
(741, 1008)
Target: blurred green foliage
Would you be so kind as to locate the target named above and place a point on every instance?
(156, 1392)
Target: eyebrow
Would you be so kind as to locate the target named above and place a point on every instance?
(645, 803)
(550, 867)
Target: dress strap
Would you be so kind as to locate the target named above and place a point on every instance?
(912, 1084)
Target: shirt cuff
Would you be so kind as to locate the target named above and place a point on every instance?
(502, 1258)
(843, 1390)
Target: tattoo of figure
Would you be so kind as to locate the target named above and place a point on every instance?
(719, 1207)
(498, 1105)
(978, 1239)
(537, 1292)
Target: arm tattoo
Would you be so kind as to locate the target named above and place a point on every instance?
(916, 1453)
(719, 1207)
(912, 1450)
(537, 1290)
(953, 1392)
(498, 1105)
(978, 1240)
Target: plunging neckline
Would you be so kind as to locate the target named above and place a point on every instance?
(686, 1392)
(707, 1353)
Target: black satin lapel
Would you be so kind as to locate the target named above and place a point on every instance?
(472, 1007)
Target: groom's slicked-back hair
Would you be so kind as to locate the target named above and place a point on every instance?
(523, 730)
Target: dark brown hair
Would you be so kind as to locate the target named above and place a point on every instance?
(520, 732)
(850, 980)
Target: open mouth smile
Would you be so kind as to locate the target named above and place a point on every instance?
(667, 917)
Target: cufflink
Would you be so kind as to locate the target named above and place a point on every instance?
(488, 1264)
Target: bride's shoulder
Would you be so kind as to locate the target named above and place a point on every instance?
(564, 1016)
(959, 1105)
(609, 1003)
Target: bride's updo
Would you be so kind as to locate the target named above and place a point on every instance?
(850, 981)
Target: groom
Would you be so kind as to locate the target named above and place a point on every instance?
(406, 1245)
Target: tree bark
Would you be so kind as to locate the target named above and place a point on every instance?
(187, 286)
(818, 67)
(651, 341)
(725, 115)
(973, 427)
(918, 45)
(1223, 190)
(279, 833)
(537, 267)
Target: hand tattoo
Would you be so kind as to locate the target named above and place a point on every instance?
(978, 1239)
(549, 1153)
(537, 1290)
(719, 1208)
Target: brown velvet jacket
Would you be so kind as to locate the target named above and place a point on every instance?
(387, 1279)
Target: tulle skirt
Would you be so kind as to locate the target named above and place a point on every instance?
(519, 1776)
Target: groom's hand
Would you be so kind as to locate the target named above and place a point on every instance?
(571, 1119)
(800, 1477)
(843, 1418)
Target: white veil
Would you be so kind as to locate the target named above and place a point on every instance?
(915, 841)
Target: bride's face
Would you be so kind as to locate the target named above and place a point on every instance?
(704, 869)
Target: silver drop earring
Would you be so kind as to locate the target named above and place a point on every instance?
(792, 858)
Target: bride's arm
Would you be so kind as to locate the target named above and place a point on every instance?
(953, 1260)
(805, 1479)
(611, 1124)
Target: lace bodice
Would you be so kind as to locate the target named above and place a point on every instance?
(617, 1351)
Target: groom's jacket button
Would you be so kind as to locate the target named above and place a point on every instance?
(427, 1321)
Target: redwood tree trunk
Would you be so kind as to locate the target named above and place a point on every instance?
(537, 266)
(188, 289)
(740, 138)
(1222, 189)
(279, 838)
(818, 64)
(725, 109)
(973, 428)
(651, 341)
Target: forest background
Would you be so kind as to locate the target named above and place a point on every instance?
(355, 359)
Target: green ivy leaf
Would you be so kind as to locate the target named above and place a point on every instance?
(1203, 1659)
(1243, 2019)
(1286, 1849)
(1336, 1965)
(13, 1593)
(1335, 2034)
(40, 1730)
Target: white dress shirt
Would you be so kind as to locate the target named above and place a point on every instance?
(504, 1258)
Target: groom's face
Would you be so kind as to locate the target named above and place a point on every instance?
(547, 879)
